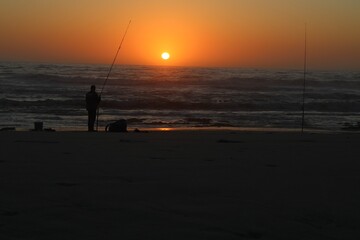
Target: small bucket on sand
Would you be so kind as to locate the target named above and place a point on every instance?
(38, 126)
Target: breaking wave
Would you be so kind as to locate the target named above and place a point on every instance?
(153, 96)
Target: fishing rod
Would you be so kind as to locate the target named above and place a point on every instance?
(304, 85)
(111, 67)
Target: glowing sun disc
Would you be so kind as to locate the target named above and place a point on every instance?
(165, 55)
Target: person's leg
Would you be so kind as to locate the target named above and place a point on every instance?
(91, 119)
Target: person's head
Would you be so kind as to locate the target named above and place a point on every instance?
(92, 88)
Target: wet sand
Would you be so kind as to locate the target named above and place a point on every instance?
(179, 185)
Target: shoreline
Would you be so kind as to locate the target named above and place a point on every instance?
(191, 129)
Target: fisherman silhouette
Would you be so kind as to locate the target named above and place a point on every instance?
(92, 103)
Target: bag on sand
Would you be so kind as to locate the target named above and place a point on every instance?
(118, 126)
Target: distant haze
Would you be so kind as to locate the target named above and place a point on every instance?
(233, 33)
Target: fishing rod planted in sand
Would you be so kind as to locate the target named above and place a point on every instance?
(304, 83)
(111, 67)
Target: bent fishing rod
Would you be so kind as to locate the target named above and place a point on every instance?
(107, 77)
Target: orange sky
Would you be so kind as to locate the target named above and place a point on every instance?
(236, 33)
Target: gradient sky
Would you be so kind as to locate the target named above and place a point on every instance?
(234, 33)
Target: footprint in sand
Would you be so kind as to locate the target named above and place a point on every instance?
(272, 165)
(8, 213)
(66, 184)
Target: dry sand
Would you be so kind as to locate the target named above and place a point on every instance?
(179, 185)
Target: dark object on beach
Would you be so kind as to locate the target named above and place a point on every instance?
(49, 130)
(8, 129)
(118, 126)
(38, 126)
(140, 131)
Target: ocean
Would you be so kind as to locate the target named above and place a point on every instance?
(166, 97)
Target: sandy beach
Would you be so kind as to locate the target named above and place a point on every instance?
(179, 185)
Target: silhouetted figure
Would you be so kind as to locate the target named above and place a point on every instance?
(92, 103)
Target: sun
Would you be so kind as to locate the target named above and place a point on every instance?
(165, 55)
